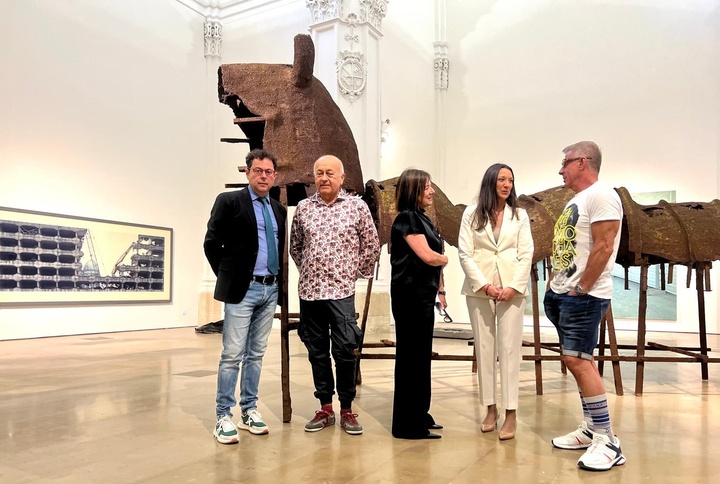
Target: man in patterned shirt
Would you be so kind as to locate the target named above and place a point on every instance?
(333, 242)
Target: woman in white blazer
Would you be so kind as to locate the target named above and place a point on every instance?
(496, 249)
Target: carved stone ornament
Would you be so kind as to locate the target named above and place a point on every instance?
(351, 69)
(352, 74)
(373, 11)
(442, 70)
(323, 10)
(213, 38)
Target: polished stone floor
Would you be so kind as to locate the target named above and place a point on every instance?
(139, 407)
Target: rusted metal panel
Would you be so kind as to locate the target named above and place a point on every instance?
(287, 111)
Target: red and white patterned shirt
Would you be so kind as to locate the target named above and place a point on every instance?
(332, 245)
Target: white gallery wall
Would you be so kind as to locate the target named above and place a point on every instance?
(104, 115)
(108, 101)
(529, 77)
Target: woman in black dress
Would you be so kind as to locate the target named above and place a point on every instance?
(417, 261)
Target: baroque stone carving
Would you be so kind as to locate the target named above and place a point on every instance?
(213, 38)
(323, 10)
(373, 11)
(351, 67)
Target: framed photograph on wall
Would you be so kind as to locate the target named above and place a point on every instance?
(51, 258)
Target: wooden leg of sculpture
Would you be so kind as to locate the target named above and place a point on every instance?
(699, 285)
(363, 326)
(617, 376)
(601, 344)
(285, 329)
(642, 316)
(536, 330)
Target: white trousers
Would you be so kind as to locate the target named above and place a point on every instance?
(497, 327)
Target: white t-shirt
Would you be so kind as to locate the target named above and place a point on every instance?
(572, 240)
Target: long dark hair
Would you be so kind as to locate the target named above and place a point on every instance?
(487, 201)
(410, 187)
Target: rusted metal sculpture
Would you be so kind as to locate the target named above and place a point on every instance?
(286, 110)
(666, 233)
(380, 197)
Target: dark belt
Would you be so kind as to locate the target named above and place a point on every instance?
(267, 280)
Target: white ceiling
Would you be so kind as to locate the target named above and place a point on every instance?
(228, 10)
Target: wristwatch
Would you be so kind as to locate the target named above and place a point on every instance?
(579, 290)
(441, 293)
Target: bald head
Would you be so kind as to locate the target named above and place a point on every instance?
(332, 160)
(329, 177)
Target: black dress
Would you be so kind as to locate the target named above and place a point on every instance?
(413, 288)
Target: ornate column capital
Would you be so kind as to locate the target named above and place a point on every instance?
(366, 11)
(373, 11)
(213, 38)
(323, 10)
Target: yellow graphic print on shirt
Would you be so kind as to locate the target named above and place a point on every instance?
(565, 242)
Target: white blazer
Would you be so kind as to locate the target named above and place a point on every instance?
(510, 257)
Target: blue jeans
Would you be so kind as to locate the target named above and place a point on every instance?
(577, 319)
(245, 338)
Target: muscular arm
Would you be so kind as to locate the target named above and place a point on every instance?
(418, 243)
(603, 236)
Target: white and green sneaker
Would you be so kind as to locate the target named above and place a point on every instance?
(252, 422)
(225, 431)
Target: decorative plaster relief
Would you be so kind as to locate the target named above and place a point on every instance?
(323, 10)
(442, 70)
(213, 38)
(373, 11)
(351, 68)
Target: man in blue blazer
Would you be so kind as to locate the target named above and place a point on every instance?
(244, 244)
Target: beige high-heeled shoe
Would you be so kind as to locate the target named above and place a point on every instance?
(489, 427)
(506, 434)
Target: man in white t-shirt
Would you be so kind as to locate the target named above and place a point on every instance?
(585, 244)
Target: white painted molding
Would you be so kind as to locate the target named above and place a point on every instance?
(441, 64)
(213, 38)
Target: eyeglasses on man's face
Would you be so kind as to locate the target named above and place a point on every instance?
(260, 172)
(565, 162)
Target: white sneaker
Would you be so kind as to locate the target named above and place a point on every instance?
(225, 431)
(581, 438)
(603, 454)
(252, 421)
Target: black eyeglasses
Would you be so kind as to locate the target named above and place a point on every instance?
(443, 312)
(565, 162)
(259, 172)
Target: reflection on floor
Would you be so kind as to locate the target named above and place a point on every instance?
(139, 407)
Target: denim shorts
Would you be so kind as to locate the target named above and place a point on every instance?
(577, 319)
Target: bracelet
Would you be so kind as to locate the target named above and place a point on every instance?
(441, 293)
(486, 290)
